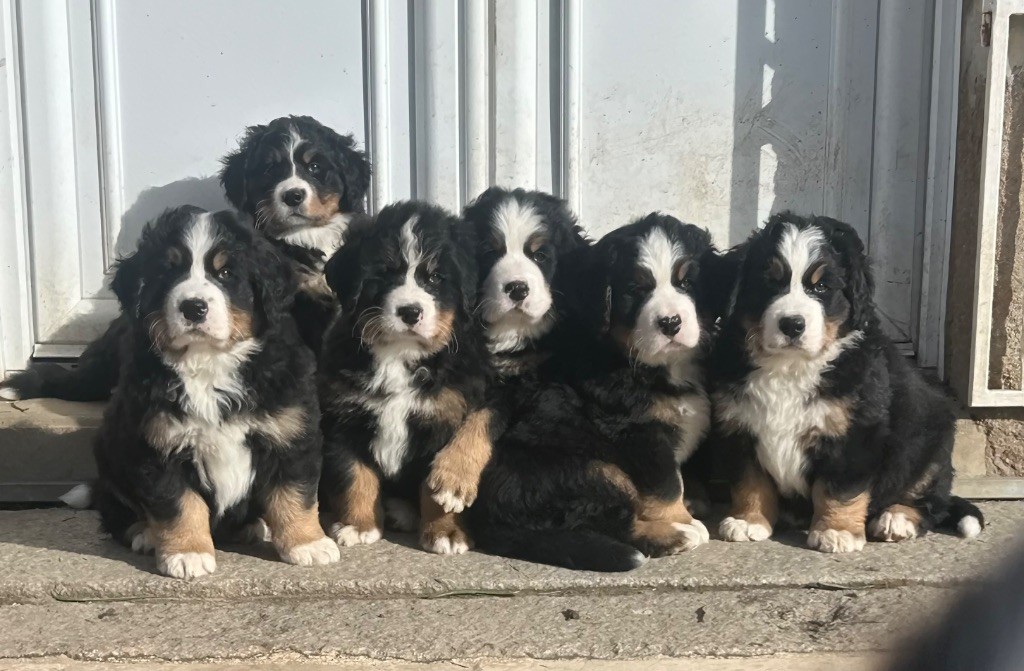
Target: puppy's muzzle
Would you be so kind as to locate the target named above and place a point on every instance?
(294, 197)
(194, 310)
(410, 314)
(517, 290)
(792, 326)
(670, 325)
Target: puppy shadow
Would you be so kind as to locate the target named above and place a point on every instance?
(204, 192)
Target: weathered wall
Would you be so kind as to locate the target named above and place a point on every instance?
(1004, 429)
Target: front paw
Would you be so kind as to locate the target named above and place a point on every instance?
(347, 535)
(450, 490)
(452, 541)
(316, 553)
(737, 529)
(834, 540)
(893, 527)
(187, 565)
(695, 533)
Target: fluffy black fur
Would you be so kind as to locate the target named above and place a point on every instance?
(145, 465)
(307, 234)
(582, 463)
(890, 433)
(372, 360)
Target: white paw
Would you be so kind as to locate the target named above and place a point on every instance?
(401, 515)
(9, 394)
(450, 501)
(141, 542)
(734, 529)
(78, 497)
(695, 533)
(969, 526)
(347, 535)
(893, 527)
(318, 553)
(444, 545)
(832, 540)
(187, 565)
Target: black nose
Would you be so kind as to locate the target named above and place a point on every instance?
(517, 290)
(670, 325)
(791, 327)
(194, 310)
(410, 314)
(293, 197)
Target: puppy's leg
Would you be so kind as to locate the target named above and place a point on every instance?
(183, 544)
(755, 507)
(358, 506)
(896, 523)
(441, 532)
(455, 474)
(838, 522)
(295, 530)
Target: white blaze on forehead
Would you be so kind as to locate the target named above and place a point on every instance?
(801, 249)
(409, 292)
(516, 222)
(660, 255)
(294, 140)
(283, 211)
(410, 245)
(508, 320)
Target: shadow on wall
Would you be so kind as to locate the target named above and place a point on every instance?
(777, 140)
(203, 192)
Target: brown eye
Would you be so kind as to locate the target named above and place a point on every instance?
(539, 256)
(819, 287)
(224, 273)
(315, 169)
(434, 278)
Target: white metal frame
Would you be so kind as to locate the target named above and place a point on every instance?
(988, 209)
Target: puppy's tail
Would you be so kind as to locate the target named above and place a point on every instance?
(964, 517)
(576, 549)
(92, 380)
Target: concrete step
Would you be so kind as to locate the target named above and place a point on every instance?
(46, 446)
(67, 593)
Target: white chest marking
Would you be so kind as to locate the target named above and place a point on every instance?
(393, 380)
(780, 406)
(211, 380)
(694, 409)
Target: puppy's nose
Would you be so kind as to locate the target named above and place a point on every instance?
(293, 197)
(792, 326)
(194, 310)
(410, 314)
(670, 325)
(517, 290)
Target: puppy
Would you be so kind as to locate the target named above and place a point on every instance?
(402, 377)
(302, 183)
(214, 422)
(587, 470)
(814, 401)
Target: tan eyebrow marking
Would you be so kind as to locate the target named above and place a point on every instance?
(682, 269)
(308, 155)
(818, 272)
(174, 256)
(776, 269)
(220, 260)
(536, 242)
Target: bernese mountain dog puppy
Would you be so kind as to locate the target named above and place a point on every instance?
(814, 401)
(586, 472)
(214, 423)
(402, 379)
(302, 183)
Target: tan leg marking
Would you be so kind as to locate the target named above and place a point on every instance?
(184, 545)
(359, 509)
(441, 532)
(896, 523)
(295, 529)
(755, 507)
(837, 525)
(455, 474)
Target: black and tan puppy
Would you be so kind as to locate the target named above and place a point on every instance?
(302, 183)
(816, 403)
(587, 471)
(214, 422)
(402, 377)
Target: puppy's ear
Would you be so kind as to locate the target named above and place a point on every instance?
(719, 277)
(274, 286)
(464, 242)
(583, 282)
(127, 284)
(343, 272)
(355, 171)
(232, 174)
(860, 282)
